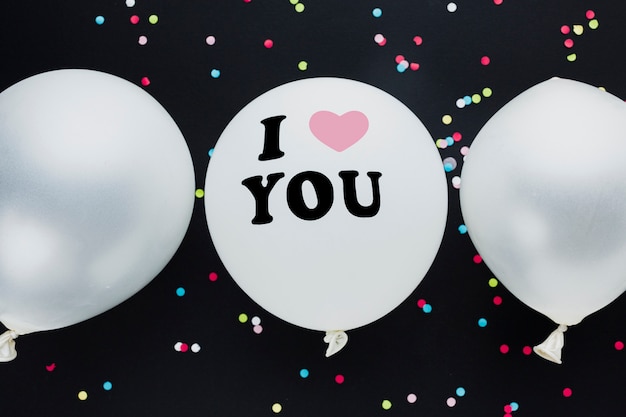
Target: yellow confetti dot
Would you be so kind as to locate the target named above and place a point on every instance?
(82, 395)
(476, 98)
(578, 29)
(386, 404)
(303, 65)
(441, 143)
(602, 88)
(199, 193)
(571, 57)
(243, 317)
(299, 7)
(487, 92)
(153, 19)
(446, 119)
(277, 408)
(593, 24)
(493, 282)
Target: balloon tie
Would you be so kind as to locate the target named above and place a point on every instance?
(336, 340)
(7, 346)
(550, 349)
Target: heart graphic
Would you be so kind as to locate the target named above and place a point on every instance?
(338, 132)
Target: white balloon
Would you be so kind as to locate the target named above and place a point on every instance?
(96, 194)
(544, 198)
(313, 262)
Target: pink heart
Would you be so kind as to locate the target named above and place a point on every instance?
(338, 132)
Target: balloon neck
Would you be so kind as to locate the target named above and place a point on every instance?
(7, 346)
(550, 349)
(336, 340)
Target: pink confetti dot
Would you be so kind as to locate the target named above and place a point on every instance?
(527, 350)
(399, 59)
(508, 409)
(210, 40)
(565, 29)
(590, 14)
(411, 398)
(508, 415)
(145, 81)
(134, 19)
(142, 40)
(485, 60)
(568, 43)
(340, 379)
(418, 40)
(258, 329)
(477, 259)
(247, 1)
(213, 276)
(567, 392)
(464, 150)
(497, 2)
(451, 401)
(497, 300)
(414, 66)
(268, 43)
(619, 345)
(504, 349)
(184, 347)
(421, 303)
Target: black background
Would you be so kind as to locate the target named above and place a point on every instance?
(238, 372)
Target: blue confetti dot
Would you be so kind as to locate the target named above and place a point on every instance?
(448, 167)
(215, 73)
(210, 152)
(180, 291)
(460, 391)
(427, 308)
(377, 12)
(99, 20)
(107, 386)
(304, 373)
(467, 100)
(450, 140)
(514, 406)
(482, 322)
(462, 229)
(401, 68)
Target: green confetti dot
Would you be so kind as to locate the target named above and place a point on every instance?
(199, 193)
(299, 7)
(593, 24)
(243, 317)
(386, 404)
(277, 408)
(487, 92)
(303, 65)
(571, 57)
(294, 2)
(476, 98)
(153, 19)
(493, 282)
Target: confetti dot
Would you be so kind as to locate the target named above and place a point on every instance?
(578, 29)
(421, 303)
(277, 408)
(497, 2)
(386, 404)
(195, 348)
(51, 367)
(504, 349)
(256, 320)
(487, 92)
(180, 291)
(414, 66)
(451, 7)
(567, 392)
(199, 193)
(571, 57)
(177, 346)
(145, 81)
(468, 100)
(527, 350)
(99, 20)
(446, 119)
(107, 386)
(304, 373)
(619, 345)
(130, 3)
(210, 152)
(153, 19)
(142, 40)
(299, 7)
(411, 398)
(134, 19)
(451, 402)
(497, 300)
(377, 12)
(243, 317)
(449, 164)
(294, 2)
(441, 143)
(340, 379)
(378, 38)
(493, 282)
(593, 24)
(213, 276)
(215, 73)
(508, 409)
(82, 395)
(460, 103)
(485, 60)
(482, 322)
(462, 229)
(568, 43)
(464, 150)
(418, 40)
(460, 392)
(210, 40)
(268, 43)
(514, 406)
(457, 136)
(565, 29)
(427, 308)
(476, 98)
(184, 347)
(590, 14)
(456, 182)
(258, 329)
(477, 259)
(303, 65)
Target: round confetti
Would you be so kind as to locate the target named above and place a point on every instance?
(464, 150)
(243, 317)
(497, 2)
(565, 29)
(449, 164)
(294, 2)
(514, 406)
(134, 19)
(462, 229)
(477, 259)
(427, 308)
(212, 276)
(184, 347)
(145, 81)
(476, 98)
(411, 398)
(82, 395)
(482, 322)
(304, 373)
(377, 12)
(493, 282)
(578, 29)
(571, 57)
(497, 300)
(107, 386)
(277, 408)
(153, 19)
(460, 392)
(340, 379)
(590, 14)
(451, 402)
(485, 60)
(258, 329)
(446, 119)
(178, 346)
(130, 3)
(142, 40)
(487, 92)
(451, 7)
(568, 43)
(418, 40)
(210, 40)
(460, 103)
(299, 7)
(215, 73)
(302, 65)
(99, 20)
(256, 320)
(378, 38)
(180, 291)
(386, 404)
(195, 348)
(268, 43)
(457, 136)
(414, 66)
(504, 349)
(456, 182)
(567, 392)
(619, 345)
(421, 303)
(593, 24)
(210, 152)
(508, 409)
(527, 350)
(468, 100)
(199, 193)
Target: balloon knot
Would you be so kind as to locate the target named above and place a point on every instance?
(550, 349)
(336, 340)
(7, 346)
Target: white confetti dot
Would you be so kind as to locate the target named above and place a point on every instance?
(451, 7)
(195, 348)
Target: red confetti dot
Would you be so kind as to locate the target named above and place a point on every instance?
(268, 43)
(619, 345)
(527, 350)
(134, 19)
(567, 392)
(485, 60)
(339, 379)
(504, 349)
(399, 58)
(457, 136)
(565, 29)
(590, 14)
(508, 415)
(568, 43)
(497, 300)
(145, 81)
(51, 367)
(497, 2)
(415, 66)
(477, 259)
(184, 347)
(383, 42)
(421, 303)
(213, 276)
(508, 409)
(418, 40)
